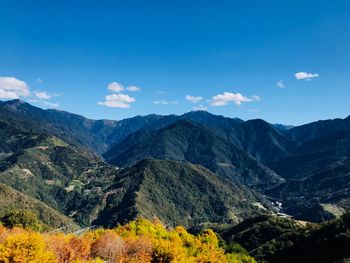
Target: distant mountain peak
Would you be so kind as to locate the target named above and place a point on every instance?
(258, 121)
(198, 112)
(15, 102)
(19, 105)
(206, 114)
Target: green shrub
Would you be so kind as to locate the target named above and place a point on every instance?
(22, 218)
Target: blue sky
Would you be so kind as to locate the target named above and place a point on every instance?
(235, 58)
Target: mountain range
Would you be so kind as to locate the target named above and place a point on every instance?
(188, 169)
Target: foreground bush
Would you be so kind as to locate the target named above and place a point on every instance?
(137, 241)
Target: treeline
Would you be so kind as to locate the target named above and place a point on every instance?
(138, 241)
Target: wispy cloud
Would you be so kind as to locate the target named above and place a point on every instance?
(305, 75)
(12, 88)
(164, 102)
(133, 88)
(280, 84)
(227, 97)
(117, 101)
(40, 80)
(43, 95)
(193, 99)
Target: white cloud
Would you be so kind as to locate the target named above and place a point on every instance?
(12, 88)
(193, 99)
(226, 97)
(115, 87)
(200, 107)
(118, 101)
(43, 95)
(4, 94)
(133, 88)
(50, 104)
(305, 75)
(165, 102)
(280, 84)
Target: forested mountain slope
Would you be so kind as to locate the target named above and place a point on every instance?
(189, 141)
(178, 193)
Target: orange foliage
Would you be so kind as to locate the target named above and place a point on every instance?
(112, 248)
(69, 248)
(109, 247)
(138, 250)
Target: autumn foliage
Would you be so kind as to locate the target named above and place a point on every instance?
(137, 241)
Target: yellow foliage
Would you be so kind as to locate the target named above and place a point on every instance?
(25, 247)
(139, 241)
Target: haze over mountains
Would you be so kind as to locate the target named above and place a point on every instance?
(197, 167)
